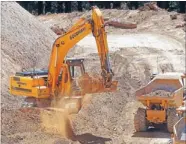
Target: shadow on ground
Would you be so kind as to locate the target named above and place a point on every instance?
(88, 138)
(153, 133)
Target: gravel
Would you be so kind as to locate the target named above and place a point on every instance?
(161, 93)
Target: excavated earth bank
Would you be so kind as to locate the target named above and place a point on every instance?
(104, 118)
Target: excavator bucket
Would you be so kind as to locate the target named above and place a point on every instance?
(93, 83)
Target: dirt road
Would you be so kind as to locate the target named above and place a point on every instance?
(136, 56)
(153, 47)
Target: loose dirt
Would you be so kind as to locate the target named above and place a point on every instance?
(25, 43)
(154, 46)
(147, 21)
(160, 93)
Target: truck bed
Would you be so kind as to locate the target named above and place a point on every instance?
(157, 90)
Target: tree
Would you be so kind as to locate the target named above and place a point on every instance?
(92, 3)
(48, 6)
(24, 4)
(107, 4)
(59, 6)
(80, 8)
(163, 4)
(117, 4)
(182, 5)
(40, 7)
(135, 4)
(68, 7)
(99, 4)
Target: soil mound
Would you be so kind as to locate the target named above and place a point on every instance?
(25, 42)
(160, 93)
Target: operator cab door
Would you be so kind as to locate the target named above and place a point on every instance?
(71, 69)
(64, 80)
(76, 68)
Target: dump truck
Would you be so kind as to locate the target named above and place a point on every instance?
(160, 98)
(179, 129)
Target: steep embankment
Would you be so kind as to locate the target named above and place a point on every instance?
(25, 43)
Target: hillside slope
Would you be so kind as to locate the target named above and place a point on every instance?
(25, 43)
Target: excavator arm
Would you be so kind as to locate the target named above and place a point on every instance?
(61, 47)
(99, 33)
(64, 43)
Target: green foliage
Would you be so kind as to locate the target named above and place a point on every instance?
(173, 6)
(44, 7)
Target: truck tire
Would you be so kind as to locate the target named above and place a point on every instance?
(170, 141)
(140, 122)
(172, 118)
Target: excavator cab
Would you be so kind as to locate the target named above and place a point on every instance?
(74, 81)
(76, 67)
(71, 70)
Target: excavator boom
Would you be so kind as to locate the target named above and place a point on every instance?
(61, 47)
(58, 79)
(64, 43)
(57, 90)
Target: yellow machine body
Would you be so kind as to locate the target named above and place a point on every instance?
(33, 87)
(156, 116)
(59, 80)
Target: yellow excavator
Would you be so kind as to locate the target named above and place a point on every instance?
(42, 86)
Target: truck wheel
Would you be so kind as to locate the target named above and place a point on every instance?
(170, 141)
(140, 122)
(172, 118)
